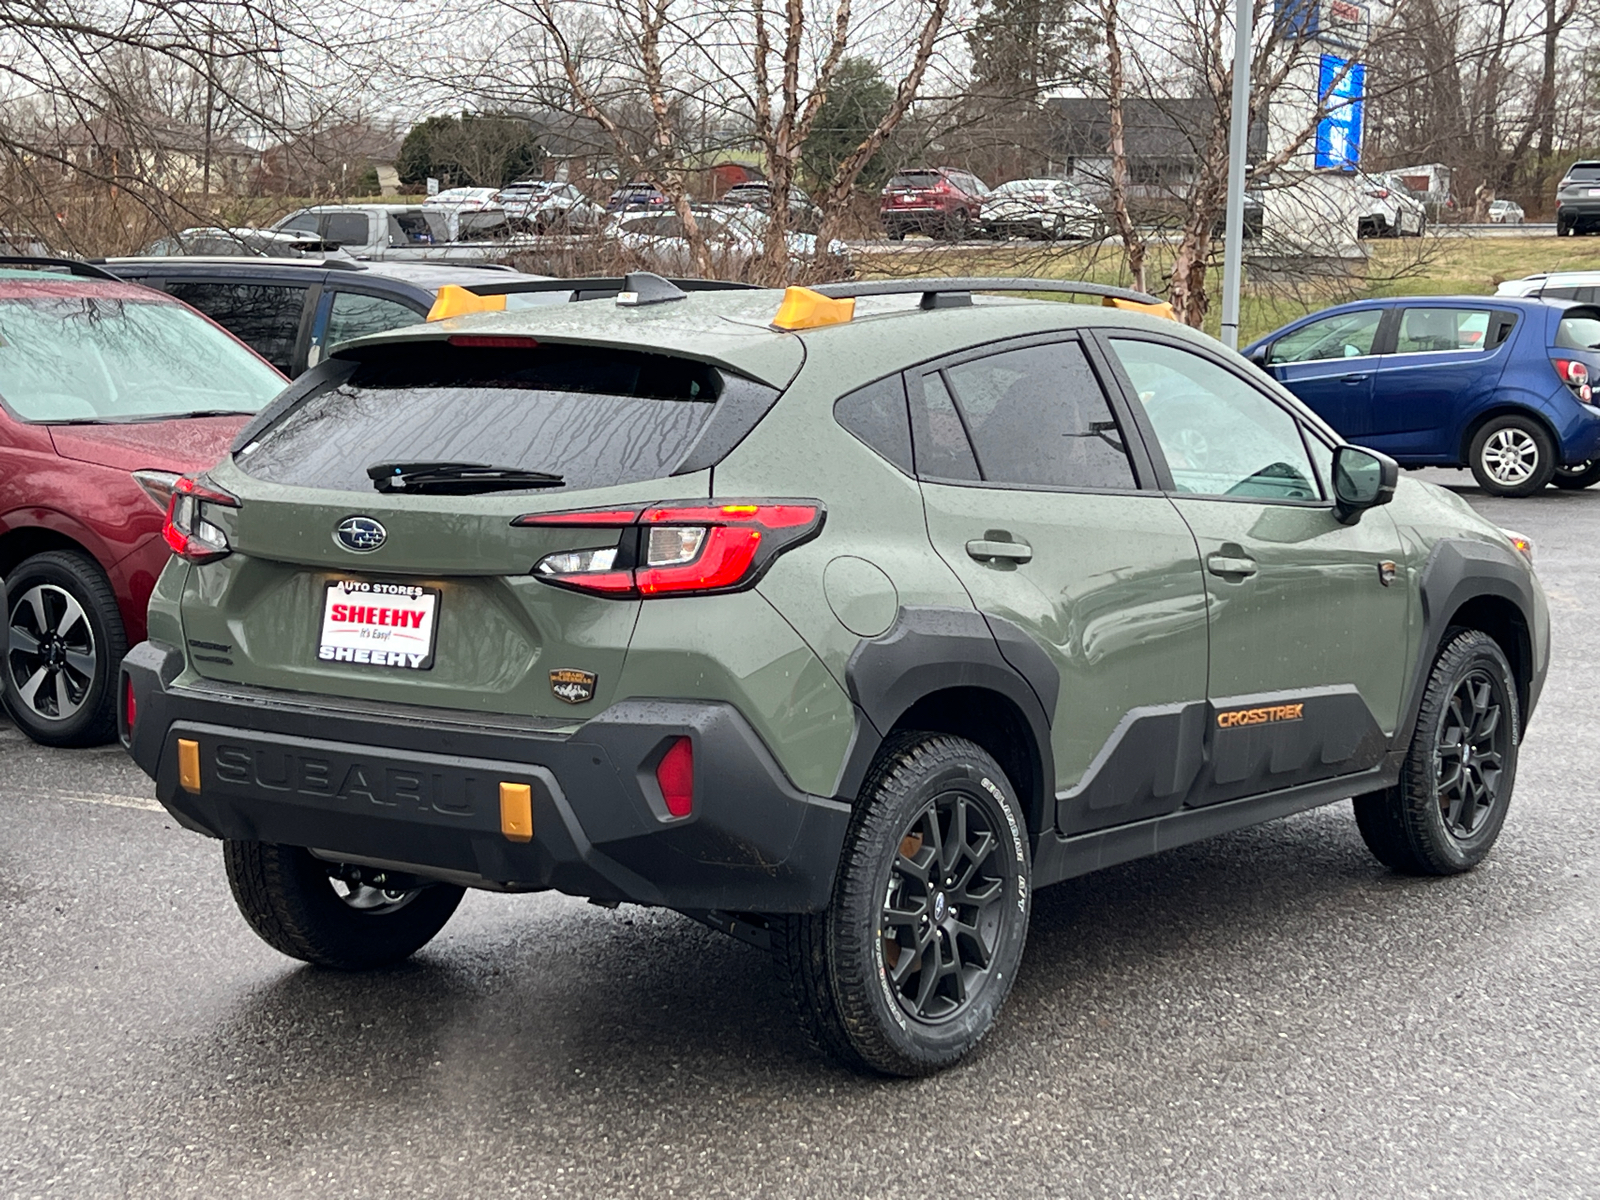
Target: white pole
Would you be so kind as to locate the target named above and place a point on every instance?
(1238, 147)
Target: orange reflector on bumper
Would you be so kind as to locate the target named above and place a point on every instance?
(189, 764)
(516, 812)
(452, 300)
(804, 309)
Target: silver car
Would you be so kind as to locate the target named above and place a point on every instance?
(1040, 208)
(549, 206)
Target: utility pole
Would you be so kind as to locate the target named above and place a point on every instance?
(211, 100)
(1238, 147)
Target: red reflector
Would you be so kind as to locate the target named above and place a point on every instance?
(675, 774)
(484, 341)
(130, 706)
(610, 516)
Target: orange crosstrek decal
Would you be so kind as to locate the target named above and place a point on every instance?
(1259, 716)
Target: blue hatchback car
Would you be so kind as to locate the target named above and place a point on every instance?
(1495, 383)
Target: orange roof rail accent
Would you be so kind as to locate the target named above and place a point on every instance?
(1163, 309)
(454, 300)
(803, 308)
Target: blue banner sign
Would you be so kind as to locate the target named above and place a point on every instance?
(1343, 91)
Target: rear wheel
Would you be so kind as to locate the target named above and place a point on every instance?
(1577, 477)
(1512, 456)
(1445, 814)
(908, 968)
(65, 643)
(298, 905)
(957, 227)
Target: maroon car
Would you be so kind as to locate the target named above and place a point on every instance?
(108, 392)
(941, 202)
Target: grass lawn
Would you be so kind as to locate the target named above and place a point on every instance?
(1403, 267)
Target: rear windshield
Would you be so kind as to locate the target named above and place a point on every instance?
(596, 418)
(1584, 173)
(1580, 331)
(915, 179)
(93, 359)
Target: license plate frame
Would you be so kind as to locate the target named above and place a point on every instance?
(383, 625)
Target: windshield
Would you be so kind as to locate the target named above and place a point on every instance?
(101, 359)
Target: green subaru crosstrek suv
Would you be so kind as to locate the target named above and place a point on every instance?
(839, 619)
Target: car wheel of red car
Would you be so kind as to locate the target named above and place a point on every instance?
(65, 642)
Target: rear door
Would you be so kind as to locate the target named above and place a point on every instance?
(1032, 492)
(1446, 363)
(1330, 363)
(273, 318)
(326, 571)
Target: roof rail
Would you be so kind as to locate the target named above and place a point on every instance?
(224, 260)
(598, 287)
(71, 265)
(957, 293)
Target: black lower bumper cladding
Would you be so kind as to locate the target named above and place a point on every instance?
(419, 789)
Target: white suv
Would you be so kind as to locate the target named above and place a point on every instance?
(1583, 286)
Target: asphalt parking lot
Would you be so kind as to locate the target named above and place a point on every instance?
(1270, 1013)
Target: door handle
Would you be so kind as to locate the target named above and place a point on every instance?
(1354, 379)
(985, 550)
(1227, 564)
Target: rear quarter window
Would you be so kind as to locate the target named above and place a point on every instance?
(1579, 331)
(595, 417)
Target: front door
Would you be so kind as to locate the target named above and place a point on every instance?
(1032, 493)
(1309, 617)
(1329, 364)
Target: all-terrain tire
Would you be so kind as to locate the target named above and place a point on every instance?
(287, 896)
(937, 831)
(1512, 456)
(90, 631)
(1409, 827)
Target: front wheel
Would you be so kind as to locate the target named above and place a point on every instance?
(909, 966)
(64, 644)
(300, 906)
(1577, 477)
(1445, 814)
(1512, 456)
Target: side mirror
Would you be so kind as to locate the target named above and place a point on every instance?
(1259, 356)
(1362, 479)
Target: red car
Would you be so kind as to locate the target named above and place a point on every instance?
(108, 392)
(938, 201)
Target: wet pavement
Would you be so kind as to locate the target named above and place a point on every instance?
(1268, 1013)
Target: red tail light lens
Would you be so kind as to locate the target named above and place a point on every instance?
(186, 531)
(678, 550)
(1575, 375)
(675, 777)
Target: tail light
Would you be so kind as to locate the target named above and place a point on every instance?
(158, 486)
(1379, 194)
(677, 550)
(1575, 375)
(186, 531)
(675, 777)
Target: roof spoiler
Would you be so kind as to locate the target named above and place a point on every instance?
(456, 300)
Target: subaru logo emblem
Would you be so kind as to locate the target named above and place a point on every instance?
(361, 534)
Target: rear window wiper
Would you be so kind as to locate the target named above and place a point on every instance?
(456, 478)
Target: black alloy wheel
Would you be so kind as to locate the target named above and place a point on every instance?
(64, 642)
(909, 966)
(1471, 750)
(1446, 812)
(942, 908)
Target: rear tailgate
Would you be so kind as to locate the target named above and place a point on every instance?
(337, 588)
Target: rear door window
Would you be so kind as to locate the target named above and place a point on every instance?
(1038, 418)
(410, 229)
(596, 417)
(1429, 330)
(942, 451)
(354, 315)
(264, 316)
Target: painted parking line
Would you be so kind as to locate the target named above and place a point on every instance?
(116, 799)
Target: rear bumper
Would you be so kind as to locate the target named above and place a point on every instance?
(1585, 209)
(419, 790)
